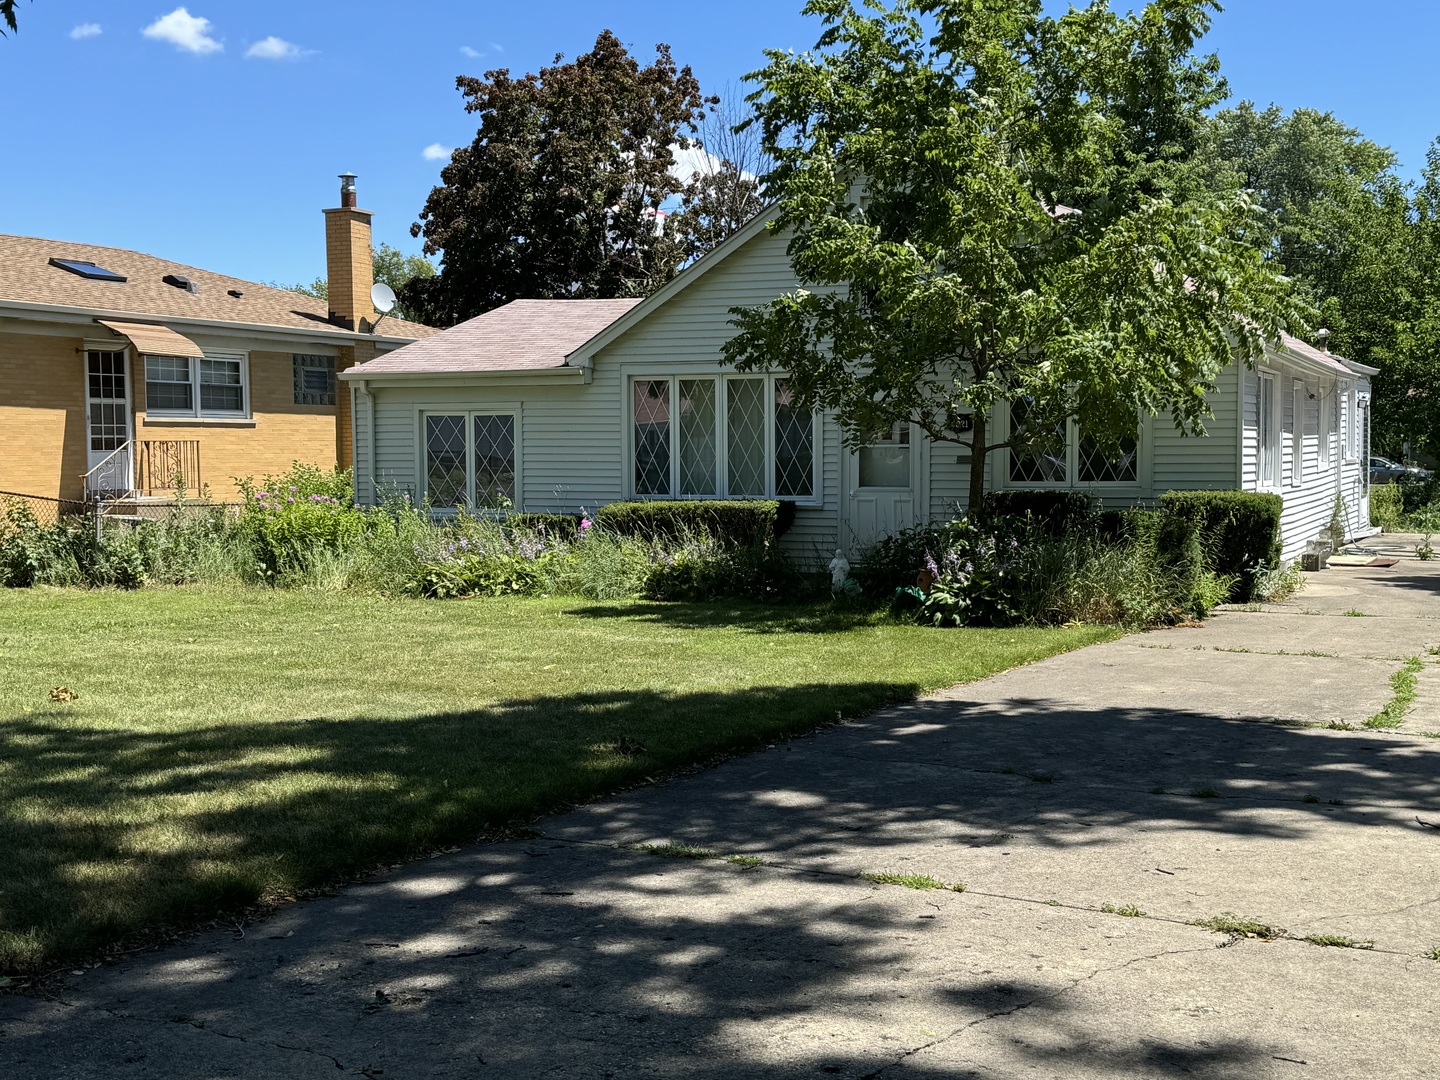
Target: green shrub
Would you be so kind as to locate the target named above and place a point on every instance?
(705, 570)
(1387, 506)
(895, 561)
(1239, 531)
(1415, 493)
(741, 523)
(1056, 512)
(287, 519)
(561, 526)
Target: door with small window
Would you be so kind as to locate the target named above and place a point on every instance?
(108, 464)
(882, 485)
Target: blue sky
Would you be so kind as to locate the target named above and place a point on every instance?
(215, 138)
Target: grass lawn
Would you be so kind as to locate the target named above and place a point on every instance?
(228, 746)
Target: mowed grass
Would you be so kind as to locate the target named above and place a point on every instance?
(230, 746)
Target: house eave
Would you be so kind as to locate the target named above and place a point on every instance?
(513, 377)
(26, 310)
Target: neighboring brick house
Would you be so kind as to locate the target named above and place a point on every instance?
(119, 370)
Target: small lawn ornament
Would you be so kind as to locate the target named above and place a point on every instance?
(839, 572)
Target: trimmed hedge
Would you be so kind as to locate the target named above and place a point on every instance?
(741, 523)
(1055, 512)
(1239, 531)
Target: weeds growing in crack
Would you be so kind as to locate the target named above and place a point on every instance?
(749, 862)
(1356, 613)
(1227, 922)
(1130, 911)
(915, 881)
(1339, 941)
(1311, 799)
(1402, 684)
(675, 851)
(1339, 725)
(1433, 954)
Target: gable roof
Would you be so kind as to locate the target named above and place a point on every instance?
(1325, 359)
(524, 335)
(28, 278)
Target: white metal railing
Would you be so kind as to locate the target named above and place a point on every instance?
(112, 478)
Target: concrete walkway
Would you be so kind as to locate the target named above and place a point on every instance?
(1181, 774)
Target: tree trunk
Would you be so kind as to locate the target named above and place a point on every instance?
(979, 435)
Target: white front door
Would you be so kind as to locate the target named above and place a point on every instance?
(107, 422)
(882, 485)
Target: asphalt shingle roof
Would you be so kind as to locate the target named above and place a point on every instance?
(524, 335)
(26, 276)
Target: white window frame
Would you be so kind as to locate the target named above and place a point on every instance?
(722, 436)
(1072, 481)
(1326, 426)
(1268, 452)
(1298, 399)
(196, 411)
(422, 454)
(1351, 425)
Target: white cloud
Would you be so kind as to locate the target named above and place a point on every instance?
(436, 152)
(186, 32)
(473, 54)
(274, 48)
(85, 30)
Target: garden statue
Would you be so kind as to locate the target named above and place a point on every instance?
(839, 572)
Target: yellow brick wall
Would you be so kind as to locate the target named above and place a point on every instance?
(42, 415)
(350, 270)
(279, 433)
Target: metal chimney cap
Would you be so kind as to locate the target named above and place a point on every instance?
(347, 181)
(1322, 340)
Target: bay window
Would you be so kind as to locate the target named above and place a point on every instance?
(726, 436)
(470, 460)
(208, 386)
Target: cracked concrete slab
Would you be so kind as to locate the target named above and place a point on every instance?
(1184, 781)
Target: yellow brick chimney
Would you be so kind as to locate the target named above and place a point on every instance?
(349, 264)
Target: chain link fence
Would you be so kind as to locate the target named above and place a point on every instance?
(17, 508)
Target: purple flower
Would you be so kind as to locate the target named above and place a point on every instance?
(294, 488)
(930, 566)
(262, 495)
(585, 523)
(969, 568)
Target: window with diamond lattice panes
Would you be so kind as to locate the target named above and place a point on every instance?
(446, 477)
(1119, 467)
(794, 445)
(745, 437)
(495, 460)
(652, 436)
(1041, 457)
(697, 437)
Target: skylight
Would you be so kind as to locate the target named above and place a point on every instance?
(87, 270)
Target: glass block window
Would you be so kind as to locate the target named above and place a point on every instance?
(1042, 459)
(446, 475)
(794, 446)
(652, 436)
(167, 384)
(221, 388)
(697, 455)
(1099, 468)
(495, 460)
(745, 439)
(314, 379)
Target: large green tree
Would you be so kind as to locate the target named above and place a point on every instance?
(988, 204)
(559, 194)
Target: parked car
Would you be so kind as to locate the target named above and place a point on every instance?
(1385, 471)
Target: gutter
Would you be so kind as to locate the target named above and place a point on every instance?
(65, 313)
(533, 376)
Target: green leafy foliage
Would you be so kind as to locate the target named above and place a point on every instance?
(740, 522)
(1387, 506)
(1239, 531)
(987, 204)
(558, 193)
(289, 518)
(1058, 512)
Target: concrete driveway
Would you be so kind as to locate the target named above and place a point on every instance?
(1181, 774)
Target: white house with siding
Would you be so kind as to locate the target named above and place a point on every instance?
(559, 405)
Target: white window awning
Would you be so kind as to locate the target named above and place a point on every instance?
(151, 339)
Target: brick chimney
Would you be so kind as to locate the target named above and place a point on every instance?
(348, 260)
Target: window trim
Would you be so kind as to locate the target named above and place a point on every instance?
(674, 375)
(422, 450)
(196, 410)
(1072, 482)
(1298, 399)
(1269, 453)
(1351, 441)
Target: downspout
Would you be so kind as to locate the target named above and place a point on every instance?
(362, 386)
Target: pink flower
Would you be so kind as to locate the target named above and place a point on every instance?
(585, 523)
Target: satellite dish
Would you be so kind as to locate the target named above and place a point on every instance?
(383, 297)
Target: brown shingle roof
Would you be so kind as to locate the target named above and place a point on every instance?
(26, 276)
(524, 335)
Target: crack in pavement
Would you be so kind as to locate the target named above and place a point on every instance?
(1037, 999)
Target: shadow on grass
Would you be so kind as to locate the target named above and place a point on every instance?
(815, 618)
